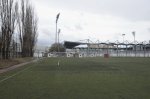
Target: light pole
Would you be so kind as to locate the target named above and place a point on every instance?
(133, 33)
(88, 45)
(123, 35)
(58, 38)
(57, 17)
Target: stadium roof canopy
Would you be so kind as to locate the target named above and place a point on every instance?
(70, 45)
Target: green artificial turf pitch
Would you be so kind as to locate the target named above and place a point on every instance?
(79, 78)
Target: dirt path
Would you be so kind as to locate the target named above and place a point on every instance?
(15, 66)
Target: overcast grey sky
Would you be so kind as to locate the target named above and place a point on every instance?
(93, 19)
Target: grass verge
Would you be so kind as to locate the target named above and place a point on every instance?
(11, 62)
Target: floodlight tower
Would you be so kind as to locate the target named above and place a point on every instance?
(123, 35)
(133, 33)
(58, 38)
(57, 17)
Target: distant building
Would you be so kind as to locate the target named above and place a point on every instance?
(99, 49)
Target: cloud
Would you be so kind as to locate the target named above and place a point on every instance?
(97, 19)
(130, 9)
(78, 27)
(148, 29)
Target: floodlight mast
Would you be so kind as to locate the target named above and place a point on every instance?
(57, 17)
(123, 35)
(133, 33)
(58, 38)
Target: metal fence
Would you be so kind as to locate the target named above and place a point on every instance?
(111, 53)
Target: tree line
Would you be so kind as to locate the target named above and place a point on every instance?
(17, 18)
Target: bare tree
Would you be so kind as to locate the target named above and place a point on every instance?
(8, 16)
(0, 44)
(27, 27)
(27, 23)
(54, 48)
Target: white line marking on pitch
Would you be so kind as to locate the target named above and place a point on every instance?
(14, 74)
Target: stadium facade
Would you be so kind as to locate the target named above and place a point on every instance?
(113, 49)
